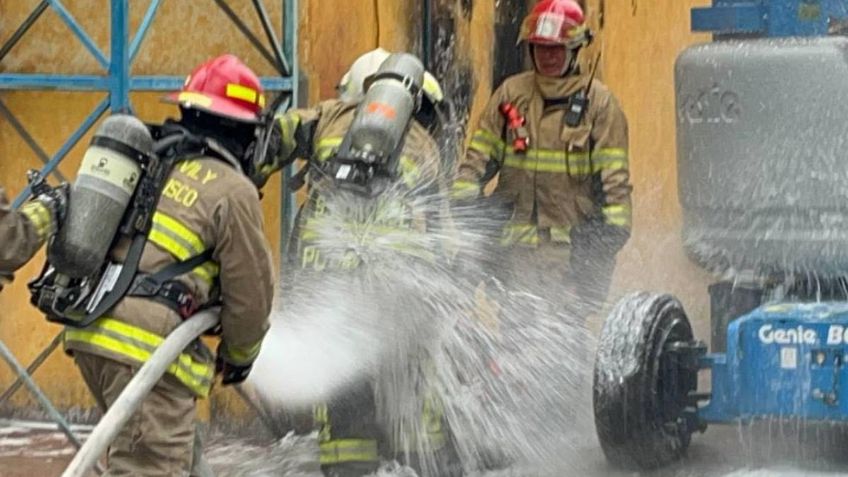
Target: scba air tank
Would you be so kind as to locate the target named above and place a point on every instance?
(101, 193)
(762, 151)
(388, 105)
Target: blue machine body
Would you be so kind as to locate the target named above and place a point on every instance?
(785, 360)
(770, 18)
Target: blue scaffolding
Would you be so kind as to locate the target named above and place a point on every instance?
(118, 82)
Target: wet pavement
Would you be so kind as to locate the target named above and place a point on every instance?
(28, 449)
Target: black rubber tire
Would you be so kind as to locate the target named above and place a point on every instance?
(638, 421)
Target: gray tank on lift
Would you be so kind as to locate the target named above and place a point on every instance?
(762, 152)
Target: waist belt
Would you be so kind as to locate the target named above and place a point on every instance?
(162, 288)
(173, 294)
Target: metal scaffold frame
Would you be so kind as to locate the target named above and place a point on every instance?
(117, 81)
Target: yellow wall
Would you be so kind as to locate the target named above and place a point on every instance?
(640, 41)
(332, 37)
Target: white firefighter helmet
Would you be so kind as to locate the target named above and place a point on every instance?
(352, 86)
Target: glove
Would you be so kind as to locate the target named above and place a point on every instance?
(275, 146)
(56, 200)
(230, 373)
(598, 237)
(263, 165)
(593, 248)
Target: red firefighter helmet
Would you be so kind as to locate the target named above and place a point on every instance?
(556, 22)
(223, 86)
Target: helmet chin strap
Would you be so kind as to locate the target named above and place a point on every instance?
(571, 64)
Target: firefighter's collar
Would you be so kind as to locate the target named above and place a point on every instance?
(553, 88)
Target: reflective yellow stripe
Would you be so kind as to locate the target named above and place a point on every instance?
(39, 215)
(432, 412)
(338, 451)
(208, 271)
(618, 214)
(320, 414)
(488, 144)
(529, 234)
(245, 354)
(313, 227)
(489, 137)
(138, 345)
(237, 91)
(330, 141)
(409, 172)
(484, 148)
(403, 239)
(151, 339)
(432, 88)
(432, 440)
(613, 152)
(413, 250)
(561, 234)
(463, 189)
(532, 163)
(619, 221)
(197, 386)
(165, 222)
(610, 159)
(288, 126)
(169, 244)
(520, 234)
(547, 160)
(432, 419)
(576, 163)
(326, 147)
(128, 330)
(175, 238)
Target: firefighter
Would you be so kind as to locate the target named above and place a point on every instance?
(24, 231)
(558, 139)
(208, 207)
(351, 441)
